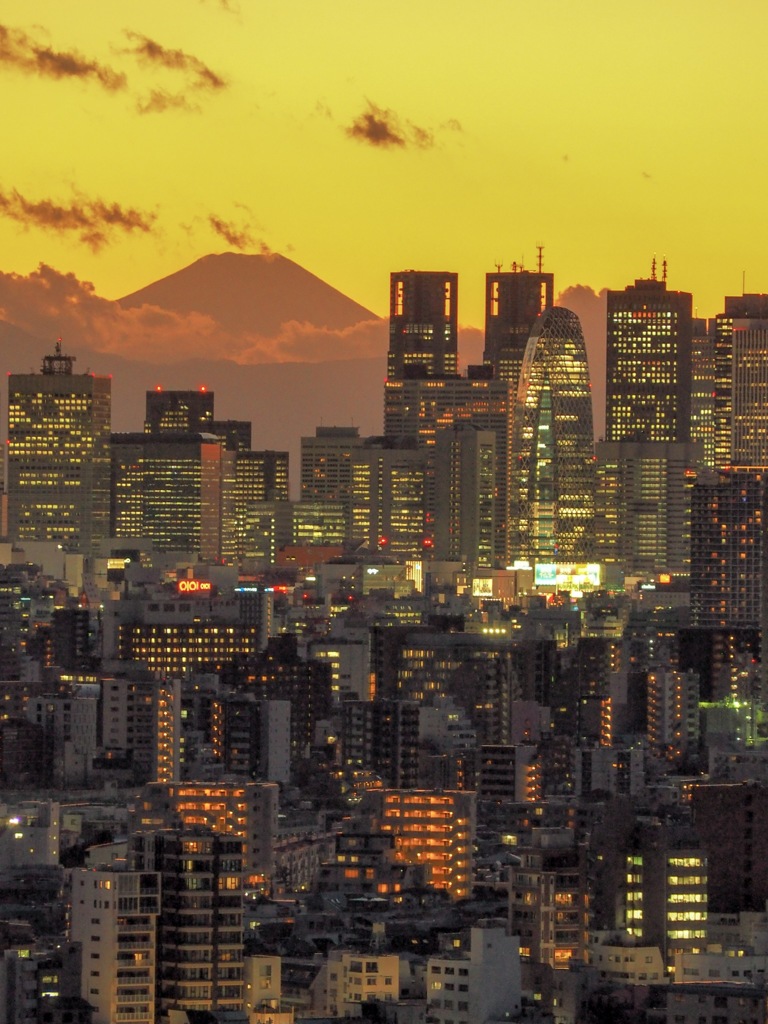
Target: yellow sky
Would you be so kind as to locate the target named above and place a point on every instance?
(609, 131)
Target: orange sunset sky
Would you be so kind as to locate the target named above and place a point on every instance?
(359, 137)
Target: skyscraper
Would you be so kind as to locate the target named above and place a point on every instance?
(388, 496)
(749, 393)
(174, 412)
(644, 505)
(742, 308)
(703, 395)
(465, 494)
(423, 327)
(58, 454)
(649, 363)
(168, 487)
(513, 300)
(552, 492)
(419, 409)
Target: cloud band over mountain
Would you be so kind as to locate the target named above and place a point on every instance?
(47, 303)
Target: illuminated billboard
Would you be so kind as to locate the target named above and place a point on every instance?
(568, 576)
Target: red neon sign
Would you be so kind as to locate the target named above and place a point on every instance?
(193, 586)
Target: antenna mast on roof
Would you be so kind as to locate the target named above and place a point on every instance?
(540, 261)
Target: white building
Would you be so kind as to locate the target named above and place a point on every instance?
(29, 835)
(620, 959)
(478, 985)
(355, 978)
(114, 916)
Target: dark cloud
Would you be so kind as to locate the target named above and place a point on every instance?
(159, 100)
(237, 237)
(20, 50)
(452, 125)
(148, 51)
(384, 129)
(47, 303)
(92, 220)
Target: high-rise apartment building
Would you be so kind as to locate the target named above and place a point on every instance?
(141, 719)
(114, 916)
(548, 901)
(727, 545)
(665, 889)
(199, 959)
(513, 300)
(434, 828)
(423, 324)
(648, 376)
(248, 810)
(58, 454)
(552, 492)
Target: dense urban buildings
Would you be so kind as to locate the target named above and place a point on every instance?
(474, 730)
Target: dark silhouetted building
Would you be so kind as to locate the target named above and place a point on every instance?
(727, 543)
(513, 300)
(179, 412)
(423, 325)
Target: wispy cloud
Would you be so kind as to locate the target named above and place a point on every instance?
(149, 51)
(384, 129)
(160, 100)
(20, 50)
(93, 220)
(238, 237)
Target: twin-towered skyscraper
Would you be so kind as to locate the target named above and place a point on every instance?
(531, 400)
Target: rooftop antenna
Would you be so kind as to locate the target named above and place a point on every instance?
(514, 267)
(540, 261)
(653, 268)
(664, 269)
(743, 282)
(498, 266)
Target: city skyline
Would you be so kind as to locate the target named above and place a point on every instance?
(145, 137)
